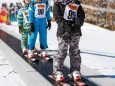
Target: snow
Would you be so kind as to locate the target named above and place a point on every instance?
(96, 45)
(99, 39)
(10, 1)
(8, 76)
(96, 40)
(100, 42)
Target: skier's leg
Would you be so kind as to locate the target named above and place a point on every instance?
(32, 39)
(74, 53)
(43, 39)
(24, 40)
(31, 42)
(58, 60)
(60, 56)
(75, 58)
(43, 35)
(13, 17)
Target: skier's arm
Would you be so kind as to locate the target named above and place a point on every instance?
(48, 16)
(47, 11)
(80, 17)
(57, 13)
(20, 18)
(20, 21)
(31, 12)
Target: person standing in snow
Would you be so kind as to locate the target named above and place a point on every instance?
(12, 12)
(69, 16)
(40, 20)
(24, 25)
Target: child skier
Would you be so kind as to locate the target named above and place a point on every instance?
(12, 12)
(24, 25)
(39, 13)
(69, 16)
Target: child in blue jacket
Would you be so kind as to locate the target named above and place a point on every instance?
(39, 17)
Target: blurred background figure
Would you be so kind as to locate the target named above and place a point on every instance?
(16, 10)
(12, 12)
(17, 7)
(4, 14)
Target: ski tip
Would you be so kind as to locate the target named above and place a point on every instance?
(50, 76)
(81, 84)
(65, 84)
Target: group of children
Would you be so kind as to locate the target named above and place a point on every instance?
(34, 17)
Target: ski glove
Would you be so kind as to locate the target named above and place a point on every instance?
(49, 24)
(78, 22)
(31, 27)
(20, 29)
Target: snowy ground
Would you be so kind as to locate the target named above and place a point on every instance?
(97, 46)
(8, 76)
(101, 43)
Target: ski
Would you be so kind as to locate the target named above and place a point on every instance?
(77, 83)
(47, 58)
(58, 83)
(31, 60)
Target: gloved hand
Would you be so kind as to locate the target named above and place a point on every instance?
(49, 24)
(31, 27)
(77, 23)
(20, 29)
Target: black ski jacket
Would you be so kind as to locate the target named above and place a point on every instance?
(58, 13)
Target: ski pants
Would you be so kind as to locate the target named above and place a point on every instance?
(41, 28)
(74, 54)
(24, 40)
(24, 37)
(12, 17)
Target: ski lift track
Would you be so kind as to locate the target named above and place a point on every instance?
(43, 69)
